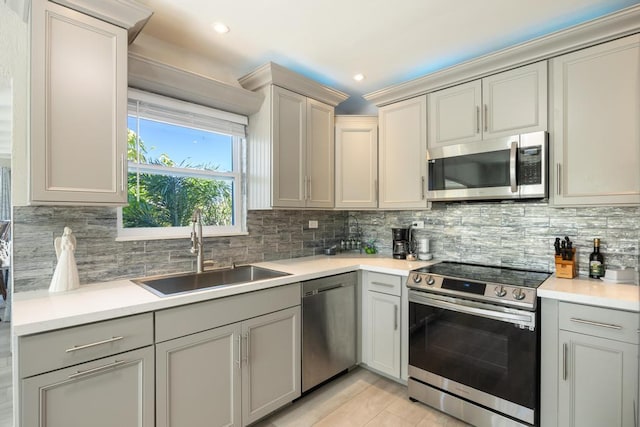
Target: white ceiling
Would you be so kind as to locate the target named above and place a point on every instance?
(389, 41)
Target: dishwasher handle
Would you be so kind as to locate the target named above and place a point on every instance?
(313, 292)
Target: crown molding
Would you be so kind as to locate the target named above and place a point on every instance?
(609, 27)
(163, 79)
(128, 14)
(272, 73)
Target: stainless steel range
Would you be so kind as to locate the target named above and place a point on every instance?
(474, 342)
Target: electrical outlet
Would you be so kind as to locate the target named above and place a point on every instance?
(417, 224)
(313, 224)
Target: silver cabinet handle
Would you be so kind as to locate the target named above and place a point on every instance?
(565, 350)
(559, 179)
(84, 346)
(635, 414)
(245, 356)
(592, 323)
(306, 195)
(123, 174)
(422, 179)
(486, 120)
(377, 189)
(395, 317)
(239, 339)
(98, 369)
(477, 119)
(389, 285)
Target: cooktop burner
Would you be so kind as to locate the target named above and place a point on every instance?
(497, 285)
(484, 273)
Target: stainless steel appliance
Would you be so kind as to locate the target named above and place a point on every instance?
(328, 327)
(400, 242)
(474, 342)
(513, 167)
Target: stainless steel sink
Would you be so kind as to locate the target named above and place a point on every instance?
(180, 283)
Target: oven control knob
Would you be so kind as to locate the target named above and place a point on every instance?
(417, 278)
(518, 294)
(500, 291)
(431, 281)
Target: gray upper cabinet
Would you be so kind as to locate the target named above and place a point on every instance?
(503, 104)
(402, 150)
(596, 130)
(78, 108)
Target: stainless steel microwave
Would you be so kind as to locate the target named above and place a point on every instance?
(514, 167)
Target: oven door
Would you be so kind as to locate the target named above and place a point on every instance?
(480, 352)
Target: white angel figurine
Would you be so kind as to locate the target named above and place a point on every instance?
(65, 277)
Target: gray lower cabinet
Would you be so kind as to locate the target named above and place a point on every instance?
(99, 374)
(228, 362)
(589, 366)
(113, 391)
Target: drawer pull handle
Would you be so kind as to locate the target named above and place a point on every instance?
(592, 323)
(82, 347)
(98, 369)
(389, 285)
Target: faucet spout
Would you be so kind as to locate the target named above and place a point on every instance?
(196, 239)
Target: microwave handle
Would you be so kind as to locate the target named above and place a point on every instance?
(512, 166)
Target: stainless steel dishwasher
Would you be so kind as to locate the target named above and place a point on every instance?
(328, 327)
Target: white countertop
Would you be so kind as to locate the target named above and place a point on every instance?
(592, 292)
(40, 311)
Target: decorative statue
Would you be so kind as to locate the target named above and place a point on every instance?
(65, 277)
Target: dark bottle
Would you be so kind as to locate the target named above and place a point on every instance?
(596, 261)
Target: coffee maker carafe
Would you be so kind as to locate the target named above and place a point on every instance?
(400, 242)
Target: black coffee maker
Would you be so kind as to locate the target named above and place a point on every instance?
(400, 242)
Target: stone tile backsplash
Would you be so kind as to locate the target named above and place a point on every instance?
(276, 234)
(515, 234)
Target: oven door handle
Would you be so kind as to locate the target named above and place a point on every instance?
(476, 309)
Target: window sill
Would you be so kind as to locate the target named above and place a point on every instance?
(184, 236)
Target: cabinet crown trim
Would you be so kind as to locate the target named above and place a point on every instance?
(127, 14)
(163, 79)
(272, 73)
(609, 27)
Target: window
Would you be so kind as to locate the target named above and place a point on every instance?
(182, 156)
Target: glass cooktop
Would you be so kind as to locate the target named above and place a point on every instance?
(484, 273)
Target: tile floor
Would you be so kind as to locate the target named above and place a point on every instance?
(359, 398)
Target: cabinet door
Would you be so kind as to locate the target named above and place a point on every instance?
(515, 101)
(596, 131)
(356, 162)
(271, 356)
(455, 115)
(403, 163)
(289, 127)
(320, 157)
(598, 381)
(198, 379)
(383, 334)
(78, 108)
(114, 391)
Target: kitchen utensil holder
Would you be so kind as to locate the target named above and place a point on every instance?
(567, 268)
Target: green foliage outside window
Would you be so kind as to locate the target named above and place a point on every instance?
(161, 200)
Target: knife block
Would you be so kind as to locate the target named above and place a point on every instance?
(567, 269)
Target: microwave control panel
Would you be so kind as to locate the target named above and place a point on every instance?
(530, 165)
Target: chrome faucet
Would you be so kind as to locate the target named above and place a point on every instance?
(196, 239)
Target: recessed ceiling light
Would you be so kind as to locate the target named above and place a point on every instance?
(358, 77)
(220, 28)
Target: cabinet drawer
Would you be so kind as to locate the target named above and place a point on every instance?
(385, 283)
(66, 347)
(189, 319)
(601, 322)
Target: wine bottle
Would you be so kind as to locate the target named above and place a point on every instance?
(596, 261)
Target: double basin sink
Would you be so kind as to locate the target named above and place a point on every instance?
(181, 283)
